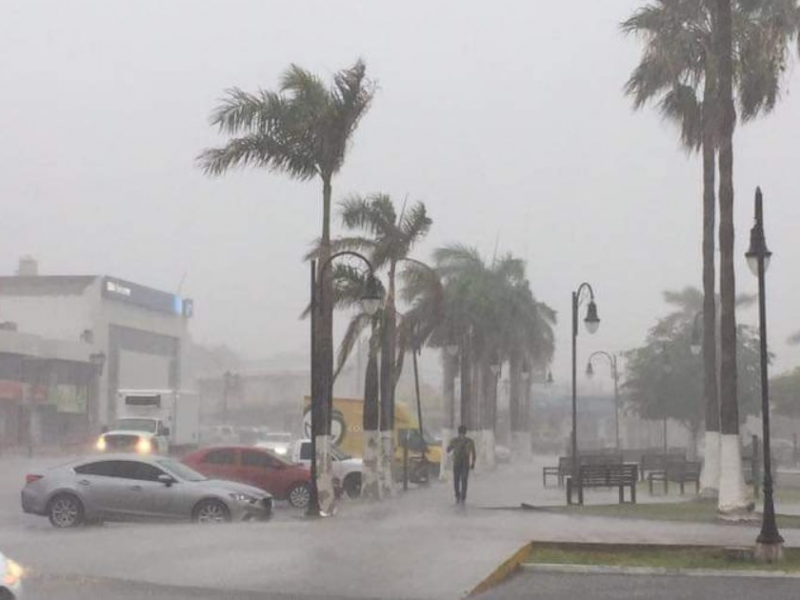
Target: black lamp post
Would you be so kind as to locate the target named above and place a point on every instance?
(612, 361)
(769, 543)
(370, 303)
(592, 322)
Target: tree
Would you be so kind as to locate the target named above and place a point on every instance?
(690, 70)
(303, 130)
(388, 238)
(491, 310)
(785, 393)
(665, 378)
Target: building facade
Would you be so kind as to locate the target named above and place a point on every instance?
(142, 332)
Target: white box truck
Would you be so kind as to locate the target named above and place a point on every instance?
(153, 422)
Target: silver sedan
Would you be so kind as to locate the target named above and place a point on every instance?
(125, 487)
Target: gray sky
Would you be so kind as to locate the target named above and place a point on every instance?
(507, 119)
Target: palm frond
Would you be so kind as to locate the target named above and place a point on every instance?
(260, 150)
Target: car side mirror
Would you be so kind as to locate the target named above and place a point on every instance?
(165, 431)
(166, 479)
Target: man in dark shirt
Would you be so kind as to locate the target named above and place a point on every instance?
(463, 449)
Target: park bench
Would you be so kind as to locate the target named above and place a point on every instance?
(559, 472)
(565, 465)
(605, 476)
(657, 462)
(677, 471)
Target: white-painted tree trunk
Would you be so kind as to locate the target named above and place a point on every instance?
(732, 497)
(445, 471)
(709, 476)
(370, 471)
(521, 446)
(486, 449)
(325, 492)
(477, 436)
(386, 460)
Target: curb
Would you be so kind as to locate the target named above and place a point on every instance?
(502, 572)
(607, 570)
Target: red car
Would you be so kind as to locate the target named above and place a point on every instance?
(255, 466)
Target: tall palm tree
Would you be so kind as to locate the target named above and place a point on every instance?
(493, 302)
(680, 62)
(303, 130)
(388, 238)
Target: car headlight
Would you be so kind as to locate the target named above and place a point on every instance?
(144, 446)
(281, 450)
(242, 497)
(14, 573)
(101, 444)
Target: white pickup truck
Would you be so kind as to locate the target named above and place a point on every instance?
(345, 468)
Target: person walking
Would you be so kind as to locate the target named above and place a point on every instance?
(463, 449)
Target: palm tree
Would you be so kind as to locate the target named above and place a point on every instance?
(303, 130)
(388, 238)
(680, 61)
(494, 304)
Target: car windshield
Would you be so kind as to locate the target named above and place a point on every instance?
(339, 455)
(148, 425)
(180, 470)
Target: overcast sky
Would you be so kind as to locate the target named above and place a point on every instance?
(507, 119)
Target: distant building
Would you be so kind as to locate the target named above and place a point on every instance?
(143, 332)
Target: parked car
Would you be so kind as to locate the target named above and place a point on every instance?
(10, 579)
(219, 434)
(346, 469)
(255, 466)
(122, 487)
(279, 442)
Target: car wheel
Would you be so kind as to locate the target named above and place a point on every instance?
(299, 495)
(211, 511)
(6, 594)
(352, 485)
(65, 510)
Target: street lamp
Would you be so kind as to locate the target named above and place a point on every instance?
(592, 322)
(370, 303)
(612, 361)
(769, 543)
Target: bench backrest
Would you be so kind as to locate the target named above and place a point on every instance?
(601, 459)
(682, 470)
(608, 475)
(651, 462)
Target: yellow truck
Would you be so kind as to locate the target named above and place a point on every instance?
(347, 428)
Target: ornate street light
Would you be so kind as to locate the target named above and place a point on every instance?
(592, 323)
(769, 543)
(612, 361)
(370, 301)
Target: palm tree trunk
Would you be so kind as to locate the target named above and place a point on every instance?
(488, 413)
(370, 479)
(515, 404)
(387, 385)
(709, 477)
(731, 488)
(466, 382)
(449, 366)
(325, 359)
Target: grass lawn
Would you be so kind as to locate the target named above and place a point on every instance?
(681, 557)
(697, 511)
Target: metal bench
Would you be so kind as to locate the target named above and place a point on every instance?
(559, 472)
(605, 476)
(680, 472)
